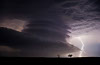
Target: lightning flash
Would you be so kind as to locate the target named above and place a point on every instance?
(82, 48)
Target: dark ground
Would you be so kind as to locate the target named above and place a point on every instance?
(45, 60)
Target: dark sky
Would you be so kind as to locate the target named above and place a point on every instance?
(38, 27)
(44, 34)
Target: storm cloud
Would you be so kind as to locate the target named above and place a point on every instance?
(34, 27)
(29, 45)
(41, 27)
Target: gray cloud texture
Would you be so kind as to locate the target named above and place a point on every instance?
(48, 24)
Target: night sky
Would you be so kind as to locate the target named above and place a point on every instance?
(47, 28)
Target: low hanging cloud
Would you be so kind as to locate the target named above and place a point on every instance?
(15, 24)
(31, 45)
(44, 35)
(8, 51)
(48, 30)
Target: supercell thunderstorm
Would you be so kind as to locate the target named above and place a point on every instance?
(83, 18)
(80, 17)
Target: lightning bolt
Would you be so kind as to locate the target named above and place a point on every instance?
(82, 48)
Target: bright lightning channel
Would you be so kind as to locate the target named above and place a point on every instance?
(82, 48)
